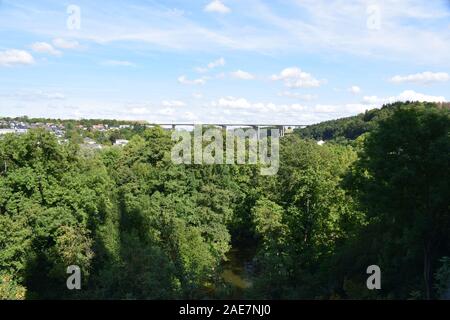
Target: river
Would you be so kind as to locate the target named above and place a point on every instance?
(238, 269)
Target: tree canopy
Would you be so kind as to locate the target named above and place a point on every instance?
(141, 227)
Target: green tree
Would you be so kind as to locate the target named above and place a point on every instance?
(401, 180)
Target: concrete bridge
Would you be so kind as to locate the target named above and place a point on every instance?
(284, 128)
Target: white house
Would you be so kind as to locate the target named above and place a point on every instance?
(6, 131)
(121, 142)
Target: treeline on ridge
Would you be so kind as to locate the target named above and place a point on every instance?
(348, 129)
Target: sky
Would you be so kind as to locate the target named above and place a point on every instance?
(220, 61)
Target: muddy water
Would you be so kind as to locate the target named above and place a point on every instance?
(238, 269)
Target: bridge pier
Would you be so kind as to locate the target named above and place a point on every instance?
(258, 131)
(256, 127)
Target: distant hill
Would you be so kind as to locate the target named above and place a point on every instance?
(350, 128)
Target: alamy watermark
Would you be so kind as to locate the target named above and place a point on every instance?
(373, 17)
(74, 19)
(74, 280)
(374, 281)
(239, 146)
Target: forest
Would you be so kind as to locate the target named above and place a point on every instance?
(141, 227)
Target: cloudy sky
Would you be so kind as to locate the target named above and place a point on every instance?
(227, 61)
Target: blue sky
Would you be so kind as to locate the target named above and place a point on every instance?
(278, 61)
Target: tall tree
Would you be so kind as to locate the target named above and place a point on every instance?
(402, 180)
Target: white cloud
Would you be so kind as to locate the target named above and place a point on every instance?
(343, 110)
(407, 95)
(139, 111)
(54, 95)
(415, 96)
(44, 47)
(201, 69)
(34, 95)
(65, 44)
(296, 95)
(189, 116)
(354, 89)
(213, 64)
(239, 74)
(422, 78)
(231, 102)
(197, 95)
(355, 108)
(39, 94)
(167, 112)
(373, 100)
(173, 103)
(157, 115)
(296, 78)
(331, 26)
(15, 57)
(244, 104)
(184, 80)
(217, 6)
(218, 63)
(235, 109)
(118, 63)
(325, 108)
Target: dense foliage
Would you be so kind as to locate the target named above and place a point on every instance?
(141, 227)
(347, 129)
